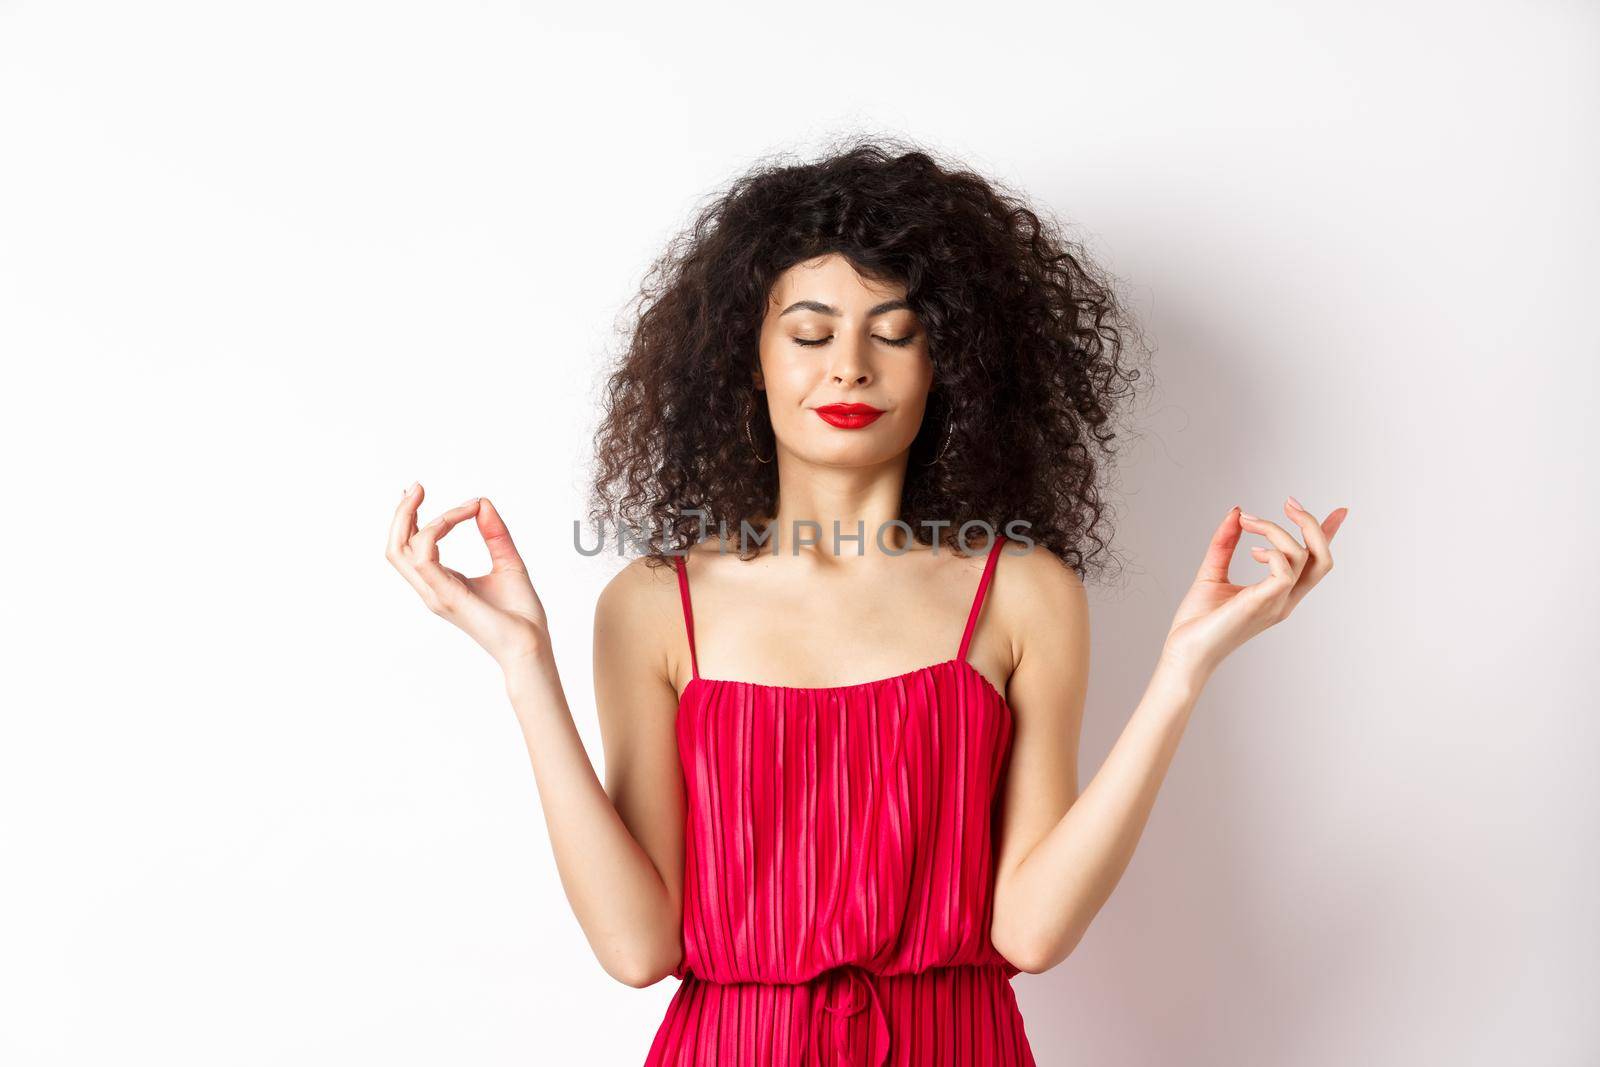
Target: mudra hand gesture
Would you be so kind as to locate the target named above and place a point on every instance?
(1217, 616)
(499, 610)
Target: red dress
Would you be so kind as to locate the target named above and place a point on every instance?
(839, 871)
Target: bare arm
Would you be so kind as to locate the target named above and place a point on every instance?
(617, 854)
(1061, 855)
(629, 912)
(1046, 899)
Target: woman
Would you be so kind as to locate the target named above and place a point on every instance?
(841, 799)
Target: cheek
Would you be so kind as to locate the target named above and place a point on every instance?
(911, 382)
(789, 380)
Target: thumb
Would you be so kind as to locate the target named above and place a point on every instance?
(502, 551)
(1219, 553)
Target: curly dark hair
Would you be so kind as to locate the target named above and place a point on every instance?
(1026, 338)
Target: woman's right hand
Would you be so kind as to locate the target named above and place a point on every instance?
(499, 610)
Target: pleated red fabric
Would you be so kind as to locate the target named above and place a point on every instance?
(838, 881)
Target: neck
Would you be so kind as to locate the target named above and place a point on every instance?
(862, 501)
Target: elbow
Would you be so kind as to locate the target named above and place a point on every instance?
(1028, 962)
(1034, 957)
(645, 955)
(1019, 947)
(1021, 954)
(639, 978)
(639, 974)
(640, 970)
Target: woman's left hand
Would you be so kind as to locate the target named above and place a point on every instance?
(1217, 616)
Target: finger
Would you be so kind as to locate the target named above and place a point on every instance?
(451, 595)
(439, 590)
(1274, 559)
(1281, 539)
(503, 552)
(424, 543)
(1321, 558)
(1219, 554)
(404, 523)
(408, 571)
(1265, 554)
(1275, 587)
(401, 530)
(445, 595)
(1335, 519)
(431, 581)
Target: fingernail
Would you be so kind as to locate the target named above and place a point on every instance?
(1247, 515)
(469, 501)
(1296, 504)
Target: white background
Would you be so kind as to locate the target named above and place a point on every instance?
(262, 265)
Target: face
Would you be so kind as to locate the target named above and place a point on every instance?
(833, 338)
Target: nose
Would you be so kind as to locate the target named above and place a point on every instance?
(850, 365)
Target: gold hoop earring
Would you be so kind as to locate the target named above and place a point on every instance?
(750, 414)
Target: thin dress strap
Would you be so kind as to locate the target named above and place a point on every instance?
(977, 601)
(688, 613)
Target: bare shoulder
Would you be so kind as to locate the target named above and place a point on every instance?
(1040, 601)
(634, 593)
(635, 617)
(1037, 575)
(638, 584)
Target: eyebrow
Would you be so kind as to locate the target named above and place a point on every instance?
(829, 309)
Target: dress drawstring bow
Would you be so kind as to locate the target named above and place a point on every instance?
(858, 976)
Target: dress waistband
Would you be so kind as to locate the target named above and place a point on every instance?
(847, 989)
(899, 1016)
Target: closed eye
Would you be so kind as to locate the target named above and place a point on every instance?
(898, 342)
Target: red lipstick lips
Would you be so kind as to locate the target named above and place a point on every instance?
(849, 416)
